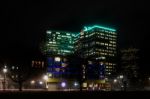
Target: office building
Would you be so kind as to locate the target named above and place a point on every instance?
(98, 44)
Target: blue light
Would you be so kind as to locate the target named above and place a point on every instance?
(97, 26)
(63, 84)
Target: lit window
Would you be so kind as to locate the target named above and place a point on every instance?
(50, 75)
(48, 32)
(84, 84)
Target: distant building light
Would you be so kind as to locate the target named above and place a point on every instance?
(57, 59)
(50, 75)
(90, 85)
(48, 32)
(97, 26)
(84, 84)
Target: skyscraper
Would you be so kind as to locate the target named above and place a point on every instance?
(98, 43)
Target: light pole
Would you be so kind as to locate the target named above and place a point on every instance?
(121, 77)
(4, 71)
(32, 84)
(45, 77)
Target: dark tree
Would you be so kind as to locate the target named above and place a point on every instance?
(19, 74)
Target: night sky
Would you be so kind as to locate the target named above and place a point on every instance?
(25, 24)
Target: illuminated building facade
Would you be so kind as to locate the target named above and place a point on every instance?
(59, 43)
(58, 46)
(97, 44)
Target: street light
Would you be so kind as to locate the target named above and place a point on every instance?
(45, 77)
(121, 76)
(4, 71)
(32, 82)
(63, 84)
(115, 80)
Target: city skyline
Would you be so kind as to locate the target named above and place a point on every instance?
(26, 23)
(111, 52)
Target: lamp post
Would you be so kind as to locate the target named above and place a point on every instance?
(4, 71)
(45, 77)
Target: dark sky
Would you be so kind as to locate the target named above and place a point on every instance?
(27, 21)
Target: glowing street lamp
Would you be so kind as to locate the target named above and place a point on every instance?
(63, 84)
(32, 82)
(76, 84)
(115, 80)
(45, 77)
(149, 78)
(121, 76)
(40, 82)
(5, 71)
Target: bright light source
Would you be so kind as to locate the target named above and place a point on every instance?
(48, 32)
(149, 78)
(90, 85)
(63, 84)
(115, 80)
(32, 82)
(84, 84)
(5, 70)
(45, 77)
(40, 82)
(121, 76)
(76, 84)
(50, 75)
(57, 59)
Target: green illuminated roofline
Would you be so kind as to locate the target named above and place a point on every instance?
(97, 26)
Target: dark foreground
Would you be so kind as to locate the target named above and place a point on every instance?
(77, 95)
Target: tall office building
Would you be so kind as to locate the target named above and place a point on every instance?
(97, 44)
(57, 47)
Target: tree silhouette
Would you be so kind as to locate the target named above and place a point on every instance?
(19, 74)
